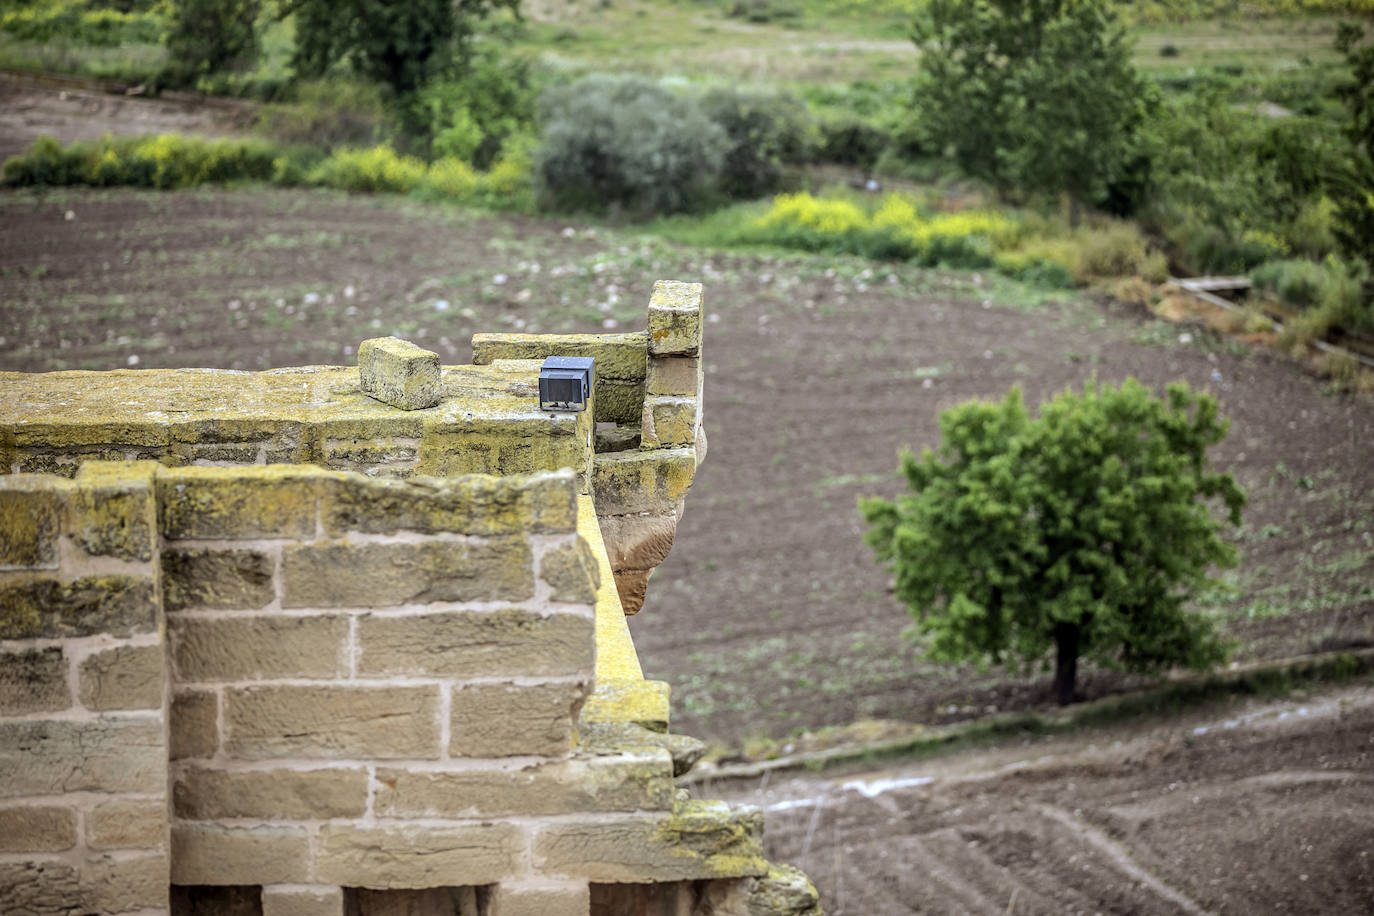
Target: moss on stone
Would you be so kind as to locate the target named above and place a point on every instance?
(40, 607)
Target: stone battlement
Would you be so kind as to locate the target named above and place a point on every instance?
(269, 645)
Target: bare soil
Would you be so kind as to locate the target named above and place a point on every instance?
(769, 616)
(1246, 807)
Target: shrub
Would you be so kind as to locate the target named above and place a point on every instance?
(207, 36)
(371, 170)
(848, 139)
(166, 161)
(1295, 282)
(328, 113)
(625, 143)
(74, 22)
(765, 131)
(1085, 530)
(473, 117)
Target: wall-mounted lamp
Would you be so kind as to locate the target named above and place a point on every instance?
(565, 382)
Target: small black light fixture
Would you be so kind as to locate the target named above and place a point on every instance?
(565, 382)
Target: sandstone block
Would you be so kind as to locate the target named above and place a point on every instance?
(238, 503)
(399, 373)
(540, 900)
(696, 841)
(654, 482)
(638, 779)
(210, 854)
(37, 828)
(203, 793)
(129, 677)
(128, 823)
(302, 901)
(476, 644)
(381, 575)
(675, 319)
(506, 720)
(617, 439)
(253, 647)
(617, 400)
(418, 857)
(33, 680)
(668, 422)
(573, 572)
(618, 356)
(51, 608)
(193, 729)
(216, 579)
(377, 457)
(30, 523)
(112, 509)
(674, 376)
(120, 885)
(332, 722)
(39, 888)
(477, 504)
(104, 755)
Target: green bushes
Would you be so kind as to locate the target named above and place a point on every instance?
(627, 144)
(75, 22)
(766, 131)
(171, 161)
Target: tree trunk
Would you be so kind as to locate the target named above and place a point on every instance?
(1066, 665)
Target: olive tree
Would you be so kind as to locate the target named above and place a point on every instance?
(1086, 530)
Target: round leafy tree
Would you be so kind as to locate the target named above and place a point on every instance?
(1087, 529)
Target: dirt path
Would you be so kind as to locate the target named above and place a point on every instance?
(30, 109)
(1256, 807)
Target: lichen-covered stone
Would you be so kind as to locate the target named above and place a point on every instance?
(675, 319)
(677, 376)
(617, 439)
(699, 839)
(684, 749)
(651, 482)
(112, 509)
(618, 356)
(33, 680)
(381, 575)
(668, 422)
(399, 373)
(544, 503)
(235, 503)
(51, 608)
(572, 571)
(128, 677)
(784, 891)
(30, 522)
(216, 579)
(469, 644)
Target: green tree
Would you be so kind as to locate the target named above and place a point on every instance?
(1035, 95)
(1086, 530)
(401, 43)
(1352, 188)
(210, 36)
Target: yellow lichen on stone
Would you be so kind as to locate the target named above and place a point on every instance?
(675, 319)
(397, 372)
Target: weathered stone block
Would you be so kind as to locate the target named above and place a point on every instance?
(698, 840)
(51, 608)
(668, 422)
(332, 722)
(37, 828)
(112, 509)
(478, 504)
(104, 755)
(618, 401)
(39, 888)
(216, 579)
(627, 483)
(399, 373)
(238, 503)
(509, 899)
(675, 319)
(506, 720)
(416, 857)
(120, 885)
(675, 376)
(30, 523)
(302, 901)
(193, 726)
(211, 854)
(252, 647)
(617, 439)
(639, 779)
(618, 356)
(573, 572)
(376, 457)
(382, 575)
(129, 677)
(132, 823)
(476, 644)
(203, 793)
(33, 680)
